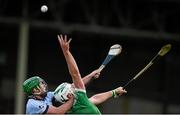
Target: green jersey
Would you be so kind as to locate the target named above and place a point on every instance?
(82, 104)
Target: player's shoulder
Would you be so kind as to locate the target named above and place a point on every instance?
(36, 106)
(50, 93)
(33, 104)
(32, 101)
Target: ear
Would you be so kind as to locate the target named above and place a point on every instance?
(35, 90)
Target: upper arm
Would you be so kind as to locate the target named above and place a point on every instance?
(53, 109)
(100, 97)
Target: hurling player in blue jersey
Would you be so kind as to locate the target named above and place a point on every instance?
(40, 100)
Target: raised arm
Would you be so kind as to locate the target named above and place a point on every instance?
(101, 97)
(71, 63)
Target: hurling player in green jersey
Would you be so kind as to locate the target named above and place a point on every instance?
(82, 104)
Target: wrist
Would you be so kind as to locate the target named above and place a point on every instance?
(114, 95)
(91, 76)
(65, 51)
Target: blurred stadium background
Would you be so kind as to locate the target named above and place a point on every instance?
(29, 46)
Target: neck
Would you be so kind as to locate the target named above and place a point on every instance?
(38, 97)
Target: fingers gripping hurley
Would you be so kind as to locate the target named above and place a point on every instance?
(164, 50)
(113, 51)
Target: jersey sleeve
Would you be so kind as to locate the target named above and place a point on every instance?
(37, 107)
(80, 90)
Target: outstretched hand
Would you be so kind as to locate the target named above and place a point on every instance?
(64, 42)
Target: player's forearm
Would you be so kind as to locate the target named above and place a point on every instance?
(66, 106)
(61, 109)
(93, 75)
(101, 97)
(72, 66)
(87, 78)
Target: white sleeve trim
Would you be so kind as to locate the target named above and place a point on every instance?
(81, 90)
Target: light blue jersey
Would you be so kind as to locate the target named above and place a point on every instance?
(35, 106)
